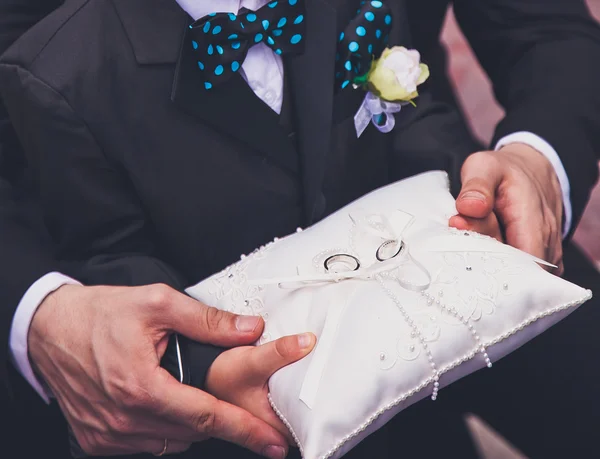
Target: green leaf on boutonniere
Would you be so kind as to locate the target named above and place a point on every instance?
(361, 79)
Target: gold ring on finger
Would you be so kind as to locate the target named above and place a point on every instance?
(165, 448)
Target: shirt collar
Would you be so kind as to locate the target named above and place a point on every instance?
(199, 8)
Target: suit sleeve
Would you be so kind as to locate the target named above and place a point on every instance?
(430, 136)
(25, 252)
(543, 58)
(90, 207)
(26, 255)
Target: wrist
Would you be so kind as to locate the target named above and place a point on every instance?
(47, 313)
(524, 151)
(214, 375)
(541, 145)
(225, 379)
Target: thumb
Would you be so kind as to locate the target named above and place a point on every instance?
(176, 312)
(267, 359)
(481, 175)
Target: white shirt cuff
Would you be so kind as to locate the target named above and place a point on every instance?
(34, 296)
(535, 141)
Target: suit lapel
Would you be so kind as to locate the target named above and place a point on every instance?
(154, 28)
(158, 32)
(312, 84)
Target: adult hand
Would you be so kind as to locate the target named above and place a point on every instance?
(99, 349)
(240, 376)
(515, 189)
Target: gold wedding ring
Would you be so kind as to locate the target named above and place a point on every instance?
(164, 450)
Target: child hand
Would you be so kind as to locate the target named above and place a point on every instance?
(240, 375)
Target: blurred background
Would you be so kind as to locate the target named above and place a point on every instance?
(478, 102)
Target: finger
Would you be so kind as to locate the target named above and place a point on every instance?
(525, 229)
(160, 447)
(177, 447)
(561, 269)
(556, 249)
(177, 312)
(160, 426)
(481, 175)
(488, 225)
(265, 360)
(135, 445)
(200, 412)
(157, 447)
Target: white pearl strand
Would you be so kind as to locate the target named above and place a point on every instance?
(286, 423)
(451, 310)
(416, 332)
(454, 312)
(427, 381)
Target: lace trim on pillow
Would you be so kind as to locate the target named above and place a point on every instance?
(430, 379)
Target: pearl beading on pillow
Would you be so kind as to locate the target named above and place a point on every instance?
(391, 329)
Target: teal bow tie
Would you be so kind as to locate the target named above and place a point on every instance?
(221, 40)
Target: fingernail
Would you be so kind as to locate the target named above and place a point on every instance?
(304, 340)
(476, 195)
(274, 452)
(246, 323)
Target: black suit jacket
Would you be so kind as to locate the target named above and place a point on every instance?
(145, 177)
(26, 251)
(543, 59)
(25, 254)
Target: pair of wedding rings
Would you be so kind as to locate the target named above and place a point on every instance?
(343, 262)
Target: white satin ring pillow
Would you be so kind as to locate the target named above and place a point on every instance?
(401, 305)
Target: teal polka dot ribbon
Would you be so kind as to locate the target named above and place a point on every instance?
(361, 42)
(221, 40)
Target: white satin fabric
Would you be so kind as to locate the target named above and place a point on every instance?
(390, 330)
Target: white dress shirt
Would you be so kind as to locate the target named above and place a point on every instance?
(263, 70)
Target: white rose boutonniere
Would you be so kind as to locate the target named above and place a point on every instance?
(396, 75)
(391, 83)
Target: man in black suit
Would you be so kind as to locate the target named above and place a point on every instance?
(280, 172)
(412, 147)
(35, 430)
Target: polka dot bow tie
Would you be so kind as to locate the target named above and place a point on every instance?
(222, 40)
(362, 41)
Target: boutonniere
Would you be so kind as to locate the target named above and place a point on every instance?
(391, 82)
